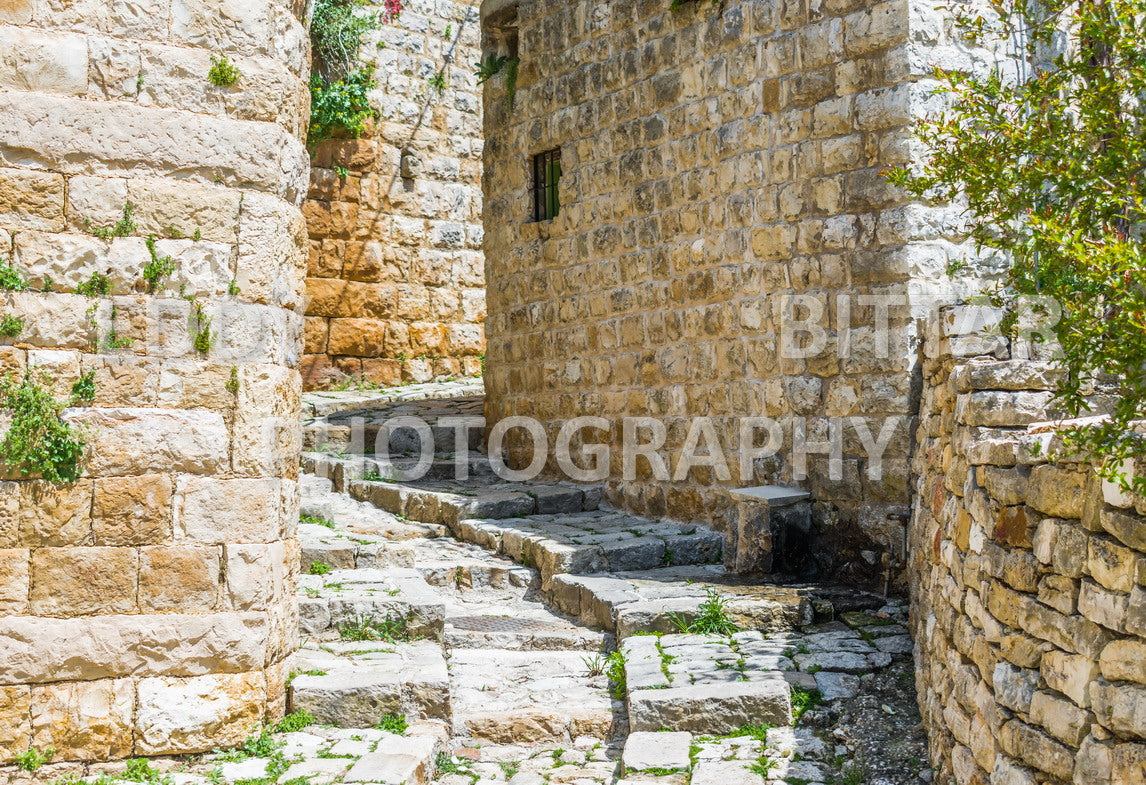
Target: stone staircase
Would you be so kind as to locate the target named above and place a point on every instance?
(461, 631)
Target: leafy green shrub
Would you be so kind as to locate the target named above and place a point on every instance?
(340, 105)
(1049, 167)
(11, 325)
(38, 442)
(84, 389)
(11, 279)
(223, 72)
(159, 269)
(98, 285)
(122, 228)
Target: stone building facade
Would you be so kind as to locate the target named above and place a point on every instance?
(722, 176)
(148, 607)
(396, 278)
(1028, 579)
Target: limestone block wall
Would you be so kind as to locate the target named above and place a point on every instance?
(1028, 579)
(397, 284)
(147, 608)
(716, 161)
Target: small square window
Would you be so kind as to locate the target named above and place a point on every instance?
(546, 176)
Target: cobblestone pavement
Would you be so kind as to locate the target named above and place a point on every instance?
(433, 651)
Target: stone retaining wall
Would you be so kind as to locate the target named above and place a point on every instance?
(148, 607)
(397, 278)
(1028, 579)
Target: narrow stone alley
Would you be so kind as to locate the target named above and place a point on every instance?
(479, 631)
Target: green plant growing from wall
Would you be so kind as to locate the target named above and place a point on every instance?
(438, 82)
(84, 388)
(232, 385)
(124, 227)
(341, 83)
(38, 441)
(203, 337)
(11, 279)
(223, 72)
(97, 285)
(32, 759)
(1049, 167)
(159, 269)
(493, 65)
(11, 325)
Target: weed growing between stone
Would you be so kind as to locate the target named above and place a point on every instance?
(392, 629)
(32, 758)
(11, 279)
(124, 227)
(223, 72)
(97, 285)
(319, 568)
(711, 617)
(314, 519)
(804, 699)
(11, 326)
(294, 722)
(393, 723)
(84, 388)
(615, 670)
(158, 270)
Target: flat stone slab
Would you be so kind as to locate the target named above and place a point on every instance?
(506, 696)
(711, 708)
(628, 603)
(342, 597)
(353, 684)
(447, 502)
(772, 495)
(321, 500)
(410, 763)
(592, 542)
(321, 403)
(665, 750)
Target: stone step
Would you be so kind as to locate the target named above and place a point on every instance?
(707, 684)
(325, 507)
(665, 751)
(446, 503)
(343, 598)
(627, 603)
(460, 395)
(338, 434)
(592, 542)
(355, 684)
(511, 697)
(343, 551)
(522, 631)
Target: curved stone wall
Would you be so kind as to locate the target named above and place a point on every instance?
(147, 608)
(1028, 579)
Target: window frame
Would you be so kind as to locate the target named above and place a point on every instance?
(546, 185)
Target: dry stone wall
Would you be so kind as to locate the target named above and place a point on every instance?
(1028, 577)
(147, 608)
(397, 279)
(717, 161)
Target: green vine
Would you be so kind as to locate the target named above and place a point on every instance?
(39, 442)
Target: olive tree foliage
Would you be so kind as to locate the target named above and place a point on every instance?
(1048, 159)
